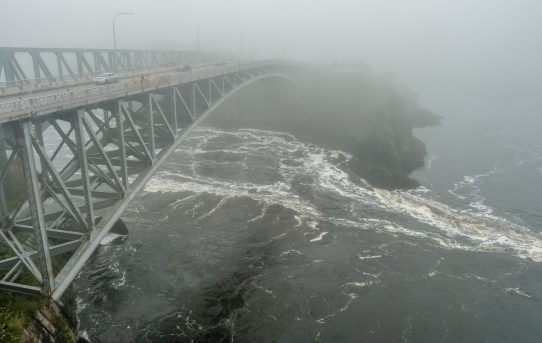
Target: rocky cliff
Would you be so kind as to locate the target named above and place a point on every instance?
(368, 115)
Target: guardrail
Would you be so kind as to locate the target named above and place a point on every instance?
(29, 82)
(79, 77)
(27, 107)
(28, 86)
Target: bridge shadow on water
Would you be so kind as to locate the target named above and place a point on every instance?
(217, 304)
(237, 243)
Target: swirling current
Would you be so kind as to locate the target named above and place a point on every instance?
(256, 236)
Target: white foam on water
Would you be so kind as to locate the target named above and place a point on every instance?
(482, 231)
(313, 161)
(84, 335)
(319, 237)
(120, 282)
(311, 223)
(109, 238)
(481, 207)
(370, 257)
(358, 284)
(351, 298)
(259, 216)
(374, 276)
(477, 229)
(429, 162)
(279, 236)
(268, 194)
(478, 277)
(517, 291)
(377, 225)
(291, 252)
(329, 177)
(298, 220)
(263, 289)
(219, 205)
(468, 189)
(81, 305)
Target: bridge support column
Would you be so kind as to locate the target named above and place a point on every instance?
(151, 127)
(32, 189)
(77, 124)
(4, 163)
(122, 144)
(174, 98)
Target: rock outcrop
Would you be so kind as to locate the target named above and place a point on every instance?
(368, 115)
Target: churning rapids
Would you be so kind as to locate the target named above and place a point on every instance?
(255, 236)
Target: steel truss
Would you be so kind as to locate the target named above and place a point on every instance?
(82, 166)
(35, 64)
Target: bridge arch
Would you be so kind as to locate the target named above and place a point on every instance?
(115, 150)
(234, 92)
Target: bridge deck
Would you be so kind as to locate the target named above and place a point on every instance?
(55, 99)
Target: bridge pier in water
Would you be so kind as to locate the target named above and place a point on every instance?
(83, 156)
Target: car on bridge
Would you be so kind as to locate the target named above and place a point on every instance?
(105, 78)
(183, 67)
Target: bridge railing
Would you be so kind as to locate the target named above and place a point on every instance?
(20, 64)
(25, 107)
(79, 77)
(14, 88)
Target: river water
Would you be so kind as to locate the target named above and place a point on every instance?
(255, 236)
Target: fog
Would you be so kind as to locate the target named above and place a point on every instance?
(484, 49)
(385, 189)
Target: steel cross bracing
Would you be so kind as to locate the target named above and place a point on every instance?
(82, 164)
(34, 64)
(26, 70)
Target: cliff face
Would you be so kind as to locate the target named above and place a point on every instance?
(46, 326)
(367, 115)
(28, 318)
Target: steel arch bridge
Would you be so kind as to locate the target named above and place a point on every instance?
(85, 154)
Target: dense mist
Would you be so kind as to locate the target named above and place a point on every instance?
(353, 109)
(367, 170)
(476, 50)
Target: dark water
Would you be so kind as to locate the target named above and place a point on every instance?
(255, 236)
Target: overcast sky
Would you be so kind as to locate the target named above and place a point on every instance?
(463, 45)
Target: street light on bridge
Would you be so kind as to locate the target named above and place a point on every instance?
(115, 37)
(197, 35)
(114, 32)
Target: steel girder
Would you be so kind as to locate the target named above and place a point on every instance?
(30, 65)
(81, 168)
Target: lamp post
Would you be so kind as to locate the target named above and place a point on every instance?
(115, 37)
(197, 35)
(114, 32)
(241, 43)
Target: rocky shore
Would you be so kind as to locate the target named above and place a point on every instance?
(368, 115)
